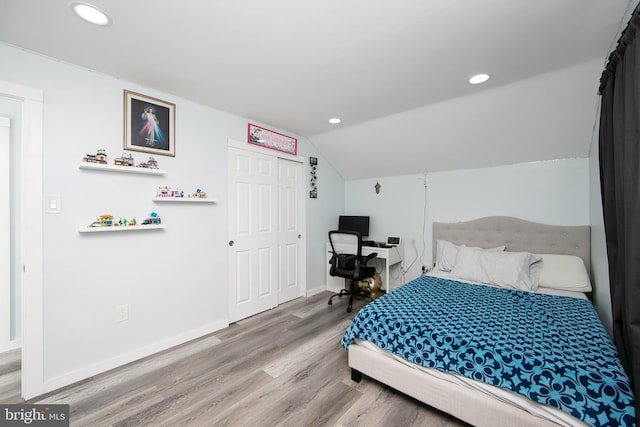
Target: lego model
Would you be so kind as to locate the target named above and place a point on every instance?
(125, 160)
(149, 164)
(103, 221)
(199, 194)
(169, 193)
(124, 222)
(99, 157)
(152, 219)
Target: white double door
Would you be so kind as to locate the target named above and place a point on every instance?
(266, 244)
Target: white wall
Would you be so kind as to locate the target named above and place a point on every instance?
(553, 192)
(322, 216)
(398, 210)
(174, 280)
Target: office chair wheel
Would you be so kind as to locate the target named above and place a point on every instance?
(348, 309)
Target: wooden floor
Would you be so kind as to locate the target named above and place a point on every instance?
(284, 367)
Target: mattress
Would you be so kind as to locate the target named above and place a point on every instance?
(562, 399)
(543, 411)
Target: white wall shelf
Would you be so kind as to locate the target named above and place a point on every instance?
(87, 229)
(183, 199)
(125, 169)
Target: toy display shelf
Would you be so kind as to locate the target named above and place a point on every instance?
(125, 169)
(183, 199)
(87, 229)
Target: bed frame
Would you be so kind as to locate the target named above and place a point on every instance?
(467, 405)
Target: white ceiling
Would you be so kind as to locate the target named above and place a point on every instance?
(294, 64)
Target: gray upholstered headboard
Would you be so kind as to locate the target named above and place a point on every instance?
(518, 235)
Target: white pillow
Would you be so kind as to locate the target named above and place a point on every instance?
(446, 253)
(564, 272)
(504, 269)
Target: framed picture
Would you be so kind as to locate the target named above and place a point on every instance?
(273, 140)
(149, 124)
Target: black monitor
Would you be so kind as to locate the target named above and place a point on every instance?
(354, 223)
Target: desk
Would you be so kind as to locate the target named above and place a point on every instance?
(392, 258)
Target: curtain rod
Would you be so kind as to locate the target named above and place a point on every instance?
(616, 56)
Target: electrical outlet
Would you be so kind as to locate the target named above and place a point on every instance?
(122, 312)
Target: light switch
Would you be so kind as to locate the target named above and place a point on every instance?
(53, 205)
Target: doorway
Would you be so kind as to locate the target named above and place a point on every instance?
(266, 223)
(7, 314)
(28, 231)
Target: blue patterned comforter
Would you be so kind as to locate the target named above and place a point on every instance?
(551, 349)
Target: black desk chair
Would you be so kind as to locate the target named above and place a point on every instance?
(347, 261)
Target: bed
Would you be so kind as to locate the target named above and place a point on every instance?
(444, 338)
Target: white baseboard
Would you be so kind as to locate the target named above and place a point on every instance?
(120, 360)
(314, 291)
(11, 345)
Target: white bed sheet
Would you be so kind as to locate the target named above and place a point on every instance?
(548, 291)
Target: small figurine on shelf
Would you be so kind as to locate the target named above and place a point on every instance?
(125, 160)
(99, 157)
(152, 219)
(168, 192)
(133, 222)
(199, 194)
(103, 221)
(149, 164)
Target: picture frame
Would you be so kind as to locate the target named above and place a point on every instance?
(257, 135)
(149, 124)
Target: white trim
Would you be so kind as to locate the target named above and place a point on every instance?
(315, 291)
(13, 344)
(19, 92)
(31, 236)
(32, 249)
(5, 234)
(137, 354)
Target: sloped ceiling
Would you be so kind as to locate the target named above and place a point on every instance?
(394, 72)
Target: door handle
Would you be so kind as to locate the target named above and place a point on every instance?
(299, 236)
(231, 242)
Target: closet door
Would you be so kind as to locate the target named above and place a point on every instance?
(290, 229)
(253, 233)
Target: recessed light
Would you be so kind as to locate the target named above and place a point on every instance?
(479, 78)
(90, 13)
(334, 121)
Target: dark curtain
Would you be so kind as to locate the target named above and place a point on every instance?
(619, 145)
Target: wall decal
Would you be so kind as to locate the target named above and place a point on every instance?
(313, 162)
(269, 139)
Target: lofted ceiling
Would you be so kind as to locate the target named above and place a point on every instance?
(384, 67)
